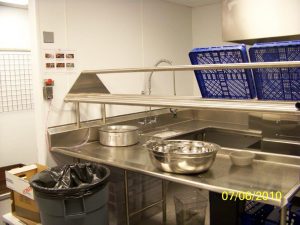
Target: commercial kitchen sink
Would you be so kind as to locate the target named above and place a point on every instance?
(224, 137)
(277, 146)
(242, 139)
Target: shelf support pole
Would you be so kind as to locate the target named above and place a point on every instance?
(77, 112)
(103, 113)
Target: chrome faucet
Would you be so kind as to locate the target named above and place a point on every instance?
(173, 111)
(150, 76)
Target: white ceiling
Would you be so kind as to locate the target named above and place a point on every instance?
(194, 3)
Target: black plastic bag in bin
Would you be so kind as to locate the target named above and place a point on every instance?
(74, 180)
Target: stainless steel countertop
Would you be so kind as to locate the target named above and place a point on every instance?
(222, 176)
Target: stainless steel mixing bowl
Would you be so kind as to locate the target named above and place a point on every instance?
(182, 156)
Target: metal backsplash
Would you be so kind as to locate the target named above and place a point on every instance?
(275, 126)
(70, 135)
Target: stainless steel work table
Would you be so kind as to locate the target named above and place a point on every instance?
(262, 176)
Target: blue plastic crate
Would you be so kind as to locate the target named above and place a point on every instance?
(257, 214)
(230, 83)
(293, 215)
(277, 83)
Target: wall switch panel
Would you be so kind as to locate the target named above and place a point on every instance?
(48, 89)
(48, 37)
(48, 93)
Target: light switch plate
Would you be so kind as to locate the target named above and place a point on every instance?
(48, 37)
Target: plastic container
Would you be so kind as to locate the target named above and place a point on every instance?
(277, 83)
(72, 195)
(190, 208)
(230, 83)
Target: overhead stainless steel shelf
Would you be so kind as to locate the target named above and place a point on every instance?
(286, 64)
(184, 102)
(88, 88)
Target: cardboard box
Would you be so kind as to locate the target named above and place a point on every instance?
(26, 221)
(17, 180)
(3, 188)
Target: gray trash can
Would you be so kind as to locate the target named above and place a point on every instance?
(72, 195)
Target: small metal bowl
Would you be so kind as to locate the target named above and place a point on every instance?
(242, 158)
(182, 156)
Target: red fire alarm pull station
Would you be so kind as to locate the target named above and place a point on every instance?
(48, 89)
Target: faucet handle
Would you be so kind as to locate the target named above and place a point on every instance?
(174, 112)
(143, 122)
(153, 120)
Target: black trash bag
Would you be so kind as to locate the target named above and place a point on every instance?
(75, 180)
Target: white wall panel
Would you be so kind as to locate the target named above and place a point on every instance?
(167, 34)
(17, 130)
(207, 29)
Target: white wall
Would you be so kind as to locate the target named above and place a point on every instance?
(118, 33)
(111, 34)
(207, 29)
(17, 131)
(167, 33)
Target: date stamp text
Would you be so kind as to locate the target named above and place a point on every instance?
(251, 196)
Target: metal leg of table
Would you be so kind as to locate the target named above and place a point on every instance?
(164, 201)
(283, 215)
(126, 197)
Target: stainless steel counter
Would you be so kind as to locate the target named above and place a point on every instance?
(262, 176)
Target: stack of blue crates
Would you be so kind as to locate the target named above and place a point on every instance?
(270, 83)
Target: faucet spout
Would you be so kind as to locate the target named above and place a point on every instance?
(151, 74)
(173, 111)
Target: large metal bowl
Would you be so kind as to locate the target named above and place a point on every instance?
(182, 156)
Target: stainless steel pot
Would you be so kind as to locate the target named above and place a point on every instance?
(182, 156)
(118, 135)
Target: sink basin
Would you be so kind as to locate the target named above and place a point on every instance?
(241, 139)
(278, 147)
(223, 137)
